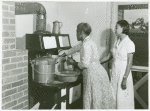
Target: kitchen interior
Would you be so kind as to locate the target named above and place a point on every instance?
(34, 33)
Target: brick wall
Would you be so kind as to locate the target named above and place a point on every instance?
(14, 63)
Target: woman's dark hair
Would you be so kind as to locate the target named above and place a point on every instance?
(125, 25)
(85, 27)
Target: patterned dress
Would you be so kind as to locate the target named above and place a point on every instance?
(124, 98)
(97, 92)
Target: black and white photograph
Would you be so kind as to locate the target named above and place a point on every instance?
(75, 55)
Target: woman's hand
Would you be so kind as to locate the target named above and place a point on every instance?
(124, 83)
(70, 61)
(63, 55)
(106, 58)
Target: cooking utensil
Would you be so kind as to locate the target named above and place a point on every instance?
(60, 64)
(43, 70)
(70, 67)
(56, 27)
(41, 61)
(43, 73)
(67, 76)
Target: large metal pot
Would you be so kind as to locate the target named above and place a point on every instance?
(43, 70)
(44, 73)
(41, 61)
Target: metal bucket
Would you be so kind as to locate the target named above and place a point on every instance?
(43, 73)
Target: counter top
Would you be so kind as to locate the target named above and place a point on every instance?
(52, 93)
(56, 84)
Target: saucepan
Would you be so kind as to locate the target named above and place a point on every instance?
(67, 75)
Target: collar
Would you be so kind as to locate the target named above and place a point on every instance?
(87, 38)
(125, 38)
(118, 41)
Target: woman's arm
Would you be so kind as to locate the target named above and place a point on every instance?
(106, 58)
(130, 52)
(127, 71)
(129, 64)
(74, 49)
(74, 63)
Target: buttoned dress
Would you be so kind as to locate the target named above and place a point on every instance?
(97, 92)
(124, 99)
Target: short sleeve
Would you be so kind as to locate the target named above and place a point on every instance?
(130, 47)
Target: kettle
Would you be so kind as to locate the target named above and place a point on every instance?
(56, 27)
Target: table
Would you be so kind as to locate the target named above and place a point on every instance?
(49, 94)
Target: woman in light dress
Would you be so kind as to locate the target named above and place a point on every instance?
(121, 77)
(97, 93)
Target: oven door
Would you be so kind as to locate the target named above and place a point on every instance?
(74, 93)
